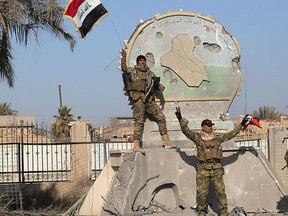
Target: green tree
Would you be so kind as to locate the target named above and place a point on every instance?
(61, 129)
(266, 113)
(5, 109)
(22, 19)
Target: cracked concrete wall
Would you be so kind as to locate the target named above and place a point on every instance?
(167, 179)
(277, 148)
(198, 62)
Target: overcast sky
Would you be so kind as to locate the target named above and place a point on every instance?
(92, 85)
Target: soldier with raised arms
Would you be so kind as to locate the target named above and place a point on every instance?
(209, 155)
(141, 85)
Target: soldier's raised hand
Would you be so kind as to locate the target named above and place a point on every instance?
(178, 113)
(246, 120)
(123, 52)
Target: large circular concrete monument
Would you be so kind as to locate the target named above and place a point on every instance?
(197, 60)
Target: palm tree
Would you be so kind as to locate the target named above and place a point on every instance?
(266, 113)
(61, 129)
(5, 109)
(23, 18)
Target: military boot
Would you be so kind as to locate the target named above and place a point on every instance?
(137, 147)
(166, 142)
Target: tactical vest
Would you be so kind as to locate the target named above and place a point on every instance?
(137, 81)
(210, 151)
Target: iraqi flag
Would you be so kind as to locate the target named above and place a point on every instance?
(85, 14)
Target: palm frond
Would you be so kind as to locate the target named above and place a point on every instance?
(22, 19)
(6, 58)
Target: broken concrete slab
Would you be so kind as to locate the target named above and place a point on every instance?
(164, 181)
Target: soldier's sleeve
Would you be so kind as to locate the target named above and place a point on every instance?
(124, 67)
(186, 131)
(123, 64)
(231, 134)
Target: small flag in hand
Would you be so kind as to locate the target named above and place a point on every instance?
(85, 14)
(253, 121)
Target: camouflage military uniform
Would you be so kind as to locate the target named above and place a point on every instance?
(144, 99)
(209, 167)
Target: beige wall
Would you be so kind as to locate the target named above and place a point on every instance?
(277, 132)
(16, 120)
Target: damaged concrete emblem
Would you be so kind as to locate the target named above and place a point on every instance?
(183, 62)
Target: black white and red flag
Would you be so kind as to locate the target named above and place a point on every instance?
(85, 14)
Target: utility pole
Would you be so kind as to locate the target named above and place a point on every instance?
(246, 80)
(60, 96)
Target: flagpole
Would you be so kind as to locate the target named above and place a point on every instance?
(246, 80)
(117, 33)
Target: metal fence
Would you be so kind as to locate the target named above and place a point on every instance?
(250, 138)
(30, 154)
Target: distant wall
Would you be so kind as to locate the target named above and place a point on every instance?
(277, 150)
(16, 120)
(167, 178)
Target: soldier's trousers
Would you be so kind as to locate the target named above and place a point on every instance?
(141, 110)
(208, 173)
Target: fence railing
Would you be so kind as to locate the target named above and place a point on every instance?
(33, 162)
(254, 139)
(30, 153)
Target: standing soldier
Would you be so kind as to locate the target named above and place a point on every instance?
(209, 154)
(141, 85)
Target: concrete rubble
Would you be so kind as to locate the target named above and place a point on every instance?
(162, 182)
